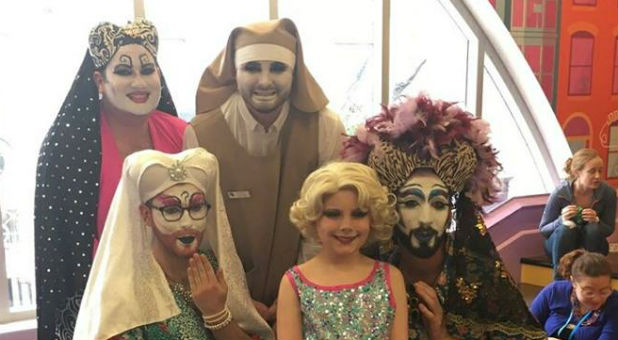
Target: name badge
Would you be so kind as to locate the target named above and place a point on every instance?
(233, 195)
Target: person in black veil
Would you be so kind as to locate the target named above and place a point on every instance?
(118, 104)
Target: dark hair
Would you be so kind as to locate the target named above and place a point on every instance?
(580, 263)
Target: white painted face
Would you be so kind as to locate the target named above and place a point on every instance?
(424, 210)
(179, 218)
(132, 82)
(264, 85)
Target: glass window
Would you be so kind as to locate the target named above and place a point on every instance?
(510, 136)
(580, 70)
(612, 154)
(585, 2)
(343, 52)
(37, 76)
(615, 83)
(436, 62)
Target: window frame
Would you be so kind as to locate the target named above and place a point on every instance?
(581, 35)
(589, 3)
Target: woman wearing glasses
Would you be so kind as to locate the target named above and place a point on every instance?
(168, 268)
(582, 307)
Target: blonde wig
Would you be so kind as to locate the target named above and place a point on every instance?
(336, 176)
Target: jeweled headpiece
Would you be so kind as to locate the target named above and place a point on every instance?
(420, 133)
(105, 39)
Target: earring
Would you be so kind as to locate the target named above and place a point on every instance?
(100, 96)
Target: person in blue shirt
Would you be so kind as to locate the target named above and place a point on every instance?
(582, 307)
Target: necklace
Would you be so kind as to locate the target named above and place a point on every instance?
(181, 289)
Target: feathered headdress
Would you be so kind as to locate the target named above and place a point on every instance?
(419, 133)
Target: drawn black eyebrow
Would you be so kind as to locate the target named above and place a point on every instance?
(412, 191)
(126, 60)
(438, 192)
(144, 59)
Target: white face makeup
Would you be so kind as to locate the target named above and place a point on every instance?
(423, 205)
(264, 85)
(179, 218)
(132, 83)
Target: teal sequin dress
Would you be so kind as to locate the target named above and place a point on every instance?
(184, 326)
(363, 310)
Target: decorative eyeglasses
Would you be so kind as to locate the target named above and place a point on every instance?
(173, 213)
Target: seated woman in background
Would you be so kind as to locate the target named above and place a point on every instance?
(167, 266)
(581, 212)
(585, 306)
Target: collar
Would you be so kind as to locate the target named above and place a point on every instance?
(252, 124)
(570, 192)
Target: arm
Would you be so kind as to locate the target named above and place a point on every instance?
(552, 218)
(190, 139)
(540, 305)
(331, 135)
(399, 329)
(610, 328)
(289, 323)
(607, 217)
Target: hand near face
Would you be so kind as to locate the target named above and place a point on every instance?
(569, 212)
(431, 311)
(208, 289)
(589, 215)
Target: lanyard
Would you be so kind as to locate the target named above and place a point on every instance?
(586, 316)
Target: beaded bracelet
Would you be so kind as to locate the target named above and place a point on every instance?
(217, 325)
(216, 316)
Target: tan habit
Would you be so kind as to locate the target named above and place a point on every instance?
(259, 192)
(275, 40)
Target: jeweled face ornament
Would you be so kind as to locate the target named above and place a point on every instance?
(424, 208)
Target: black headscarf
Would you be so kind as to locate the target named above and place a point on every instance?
(66, 203)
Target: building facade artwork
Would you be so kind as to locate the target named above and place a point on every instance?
(572, 48)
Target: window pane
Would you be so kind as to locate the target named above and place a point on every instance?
(585, 2)
(515, 144)
(423, 34)
(580, 80)
(582, 44)
(341, 46)
(37, 76)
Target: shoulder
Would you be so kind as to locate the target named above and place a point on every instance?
(563, 187)
(329, 115)
(207, 118)
(608, 190)
(166, 119)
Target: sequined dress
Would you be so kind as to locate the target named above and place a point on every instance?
(188, 325)
(362, 310)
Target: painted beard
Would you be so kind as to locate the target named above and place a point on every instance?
(427, 239)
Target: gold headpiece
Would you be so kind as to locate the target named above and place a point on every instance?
(454, 165)
(105, 39)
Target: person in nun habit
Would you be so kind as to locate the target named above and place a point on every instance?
(167, 267)
(261, 112)
(118, 104)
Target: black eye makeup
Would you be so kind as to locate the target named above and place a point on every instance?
(332, 213)
(252, 67)
(125, 66)
(278, 67)
(148, 67)
(359, 213)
